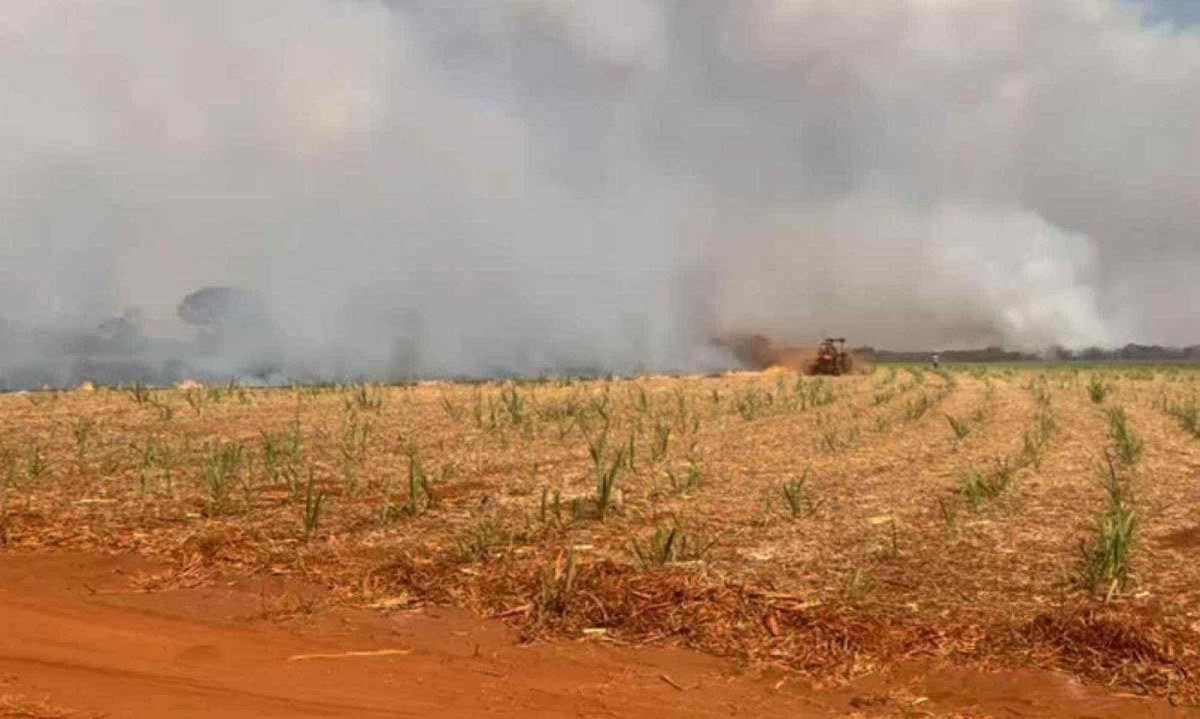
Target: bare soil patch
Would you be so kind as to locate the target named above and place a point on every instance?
(1182, 539)
(78, 639)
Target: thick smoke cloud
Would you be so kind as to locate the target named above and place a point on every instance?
(423, 187)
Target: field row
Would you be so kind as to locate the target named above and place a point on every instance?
(956, 513)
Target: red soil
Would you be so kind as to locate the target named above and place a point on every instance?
(74, 635)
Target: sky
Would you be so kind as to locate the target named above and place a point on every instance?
(1178, 11)
(525, 185)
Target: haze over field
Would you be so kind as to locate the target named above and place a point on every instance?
(527, 185)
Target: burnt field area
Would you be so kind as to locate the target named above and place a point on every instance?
(824, 531)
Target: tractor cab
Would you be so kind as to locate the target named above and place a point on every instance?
(832, 357)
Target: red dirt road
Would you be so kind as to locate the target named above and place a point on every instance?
(73, 634)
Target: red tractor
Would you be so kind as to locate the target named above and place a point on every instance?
(832, 358)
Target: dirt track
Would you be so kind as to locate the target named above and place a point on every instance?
(66, 630)
(74, 635)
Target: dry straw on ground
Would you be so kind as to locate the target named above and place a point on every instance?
(825, 526)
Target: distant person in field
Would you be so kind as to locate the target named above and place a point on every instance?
(937, 360)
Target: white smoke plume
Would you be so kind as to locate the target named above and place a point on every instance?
(422, 187)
